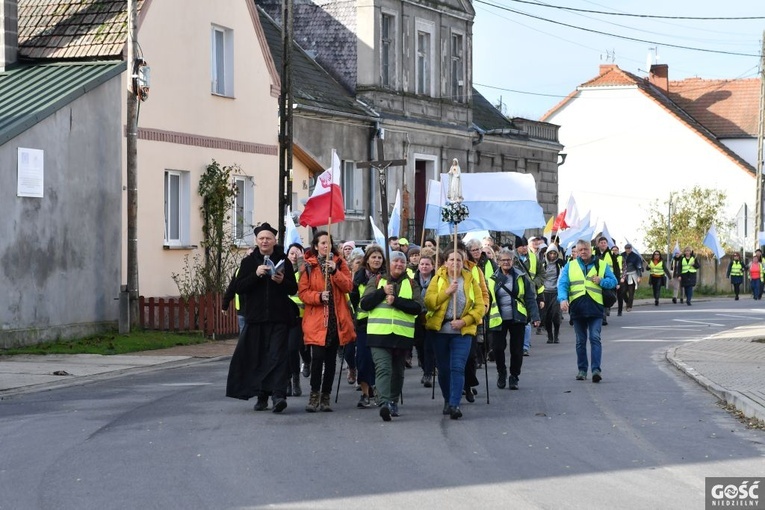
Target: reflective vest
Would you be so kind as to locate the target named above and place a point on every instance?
(295, 299)
(579, 284)
(619, 261)
(688, 265)
(385, 319)
(362, 314)
(236, 296)
(533, 270)
(520, 302)
(736, 268)
(656, 269)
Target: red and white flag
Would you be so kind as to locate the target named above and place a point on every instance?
(325, 205)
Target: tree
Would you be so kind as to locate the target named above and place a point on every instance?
(693, 212)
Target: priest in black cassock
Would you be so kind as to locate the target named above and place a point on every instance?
(259, 365)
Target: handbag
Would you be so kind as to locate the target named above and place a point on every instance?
(609, 297)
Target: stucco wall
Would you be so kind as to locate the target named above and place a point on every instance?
(60, 254)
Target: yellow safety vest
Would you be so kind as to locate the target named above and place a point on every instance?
(296, 299)
(520, 302)
(688, 265)
(362, 314)
(385, 319)
(656, 269)
(579, 285)
(236, 296)
(736, 268)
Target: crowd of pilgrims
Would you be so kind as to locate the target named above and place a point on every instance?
(303, 311)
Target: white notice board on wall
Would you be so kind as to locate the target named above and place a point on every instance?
(31, 173)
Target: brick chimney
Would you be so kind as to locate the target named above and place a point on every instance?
(659, 76)
(9, 32)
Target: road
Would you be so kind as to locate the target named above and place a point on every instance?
(645, 437)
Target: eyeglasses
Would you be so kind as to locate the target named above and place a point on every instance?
(505, 260)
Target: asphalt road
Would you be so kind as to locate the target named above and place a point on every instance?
(645, 437)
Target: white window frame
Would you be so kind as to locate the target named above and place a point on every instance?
(391, 47)
(457, 67)
(353, 188)
(242, 211)
(424, 58)
(221, 73)
(181, 208)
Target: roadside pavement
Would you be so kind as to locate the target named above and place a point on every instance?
(730, 365)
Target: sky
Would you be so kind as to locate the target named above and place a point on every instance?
(532, 64)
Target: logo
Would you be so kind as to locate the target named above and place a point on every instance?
(733, 492)
(326, 179)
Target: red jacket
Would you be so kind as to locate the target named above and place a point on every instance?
(310, 287)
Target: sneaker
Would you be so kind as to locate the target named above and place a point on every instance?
(427, 381)
(525, 352)
(364, 402)
(455, 413)
(351, 376)
(674, 300)
(581, 376)
(655, 302)
(501, 380)
(681, 301)
(688, 303)
(469, 395)
(549, 340)
(619, 314)
(605, 322)
(447, 408)
(539, 331)
(556, 340)
(385, 412)
(393, 408)
(306, 370)
(513, 382)
(596, 377)
(280, 404)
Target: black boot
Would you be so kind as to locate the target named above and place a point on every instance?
(501, 379)
(296, 391)
(289, 387)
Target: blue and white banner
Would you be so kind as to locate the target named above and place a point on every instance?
(291, 234)
(394, 224)
(501, 201)
(712, 242)
(379, 237)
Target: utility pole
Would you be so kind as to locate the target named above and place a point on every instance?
(285, 118)
(758, 211)
(669, 230)
(132, 168)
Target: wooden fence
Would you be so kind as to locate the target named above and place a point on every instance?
(201, 313)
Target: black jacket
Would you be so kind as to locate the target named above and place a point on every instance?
(266, 300)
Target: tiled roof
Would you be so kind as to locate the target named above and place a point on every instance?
(312, 86)
(59, 29)
(728, 108)
(611, 75)
(486, 116)
(30, 93)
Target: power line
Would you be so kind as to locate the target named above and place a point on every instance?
(669, 45)
(631, 15)
(517, 91)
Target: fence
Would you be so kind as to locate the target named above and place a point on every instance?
(201, 313)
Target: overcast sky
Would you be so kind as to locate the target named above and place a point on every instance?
(532, 64)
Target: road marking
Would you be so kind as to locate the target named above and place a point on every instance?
(670, 328)
(700, 322)
(188, 384)
(735, 317)
(654, 340)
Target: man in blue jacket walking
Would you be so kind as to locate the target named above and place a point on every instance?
(580, 289)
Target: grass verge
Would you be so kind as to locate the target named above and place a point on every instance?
(112, 343)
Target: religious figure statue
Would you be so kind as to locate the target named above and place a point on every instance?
(455, 184)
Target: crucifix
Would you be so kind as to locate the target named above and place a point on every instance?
(381, 165)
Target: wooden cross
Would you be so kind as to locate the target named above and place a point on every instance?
(381, 165)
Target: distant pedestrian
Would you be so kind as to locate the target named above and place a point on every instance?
(550, 313)
(688, 268)
(633, 272)
(658, 275)
(735, 272)
(677, 268)
(580, 289)
(756, 276)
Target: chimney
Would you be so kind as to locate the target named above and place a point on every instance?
(659, 76)
(604, 68)
(9, 32)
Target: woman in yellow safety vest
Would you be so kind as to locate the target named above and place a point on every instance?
(371, 269)
(735, 272)
(455, 307)
(658, 275)
(688, 267)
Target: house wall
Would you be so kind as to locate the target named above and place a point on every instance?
(175, 39)
(744, 147)
(60, 254)
(625, 152)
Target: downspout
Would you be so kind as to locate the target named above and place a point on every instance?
(372, 178)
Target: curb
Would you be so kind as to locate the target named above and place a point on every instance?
(749, 407)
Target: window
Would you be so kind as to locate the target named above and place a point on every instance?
(176, 208)
(388, 50)
(424, 55)
(222, 68)
(458, 68)
(352, 188)
(241, 217)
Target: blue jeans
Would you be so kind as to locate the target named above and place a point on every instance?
(527, 337)
(688, 293)
(451, 356)
(242, 322)
(756, 288)
(584, 328)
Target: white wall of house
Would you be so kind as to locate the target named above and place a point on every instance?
(625, 151)
(744, 147)
(177, 39)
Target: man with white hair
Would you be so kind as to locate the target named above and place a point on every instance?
(580, 289)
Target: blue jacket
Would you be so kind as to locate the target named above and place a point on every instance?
(585, 306)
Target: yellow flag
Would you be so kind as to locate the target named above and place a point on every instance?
(548, 228)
